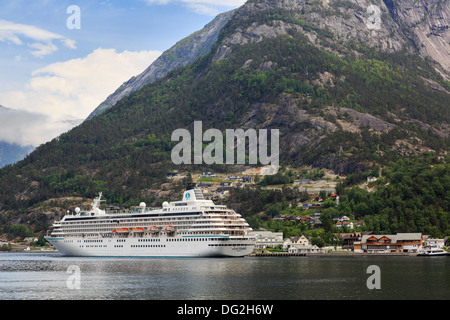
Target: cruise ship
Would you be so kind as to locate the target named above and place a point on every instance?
(192, 227)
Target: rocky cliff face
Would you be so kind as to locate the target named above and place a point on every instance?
(426, 24)
(381, 24)
(357, 21)
(184, 52)
(387, 25)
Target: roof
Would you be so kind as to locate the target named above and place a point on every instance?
(394, 238)
(409, 236)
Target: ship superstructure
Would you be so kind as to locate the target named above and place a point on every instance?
(192, 227)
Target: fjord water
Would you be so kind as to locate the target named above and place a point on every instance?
(44, 276)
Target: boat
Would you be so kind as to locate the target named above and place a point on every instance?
(191, 227)
(154, 229)
(433, 252)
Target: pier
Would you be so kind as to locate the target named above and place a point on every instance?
(277, 254)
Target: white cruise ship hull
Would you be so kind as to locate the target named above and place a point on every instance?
(193, 227)
(164, 247)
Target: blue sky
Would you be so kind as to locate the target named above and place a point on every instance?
(59, 75)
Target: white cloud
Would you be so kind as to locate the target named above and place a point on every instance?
(42, 49)
(20, 127)
(42, 39)
(205, 7)
(71, 90)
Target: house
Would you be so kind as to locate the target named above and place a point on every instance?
(204, 185)
(305, 249)
(307, 206)
(300, 244)
(315, 221)
(433, 242)
(171, 174)
(300, 241)
(371, 179)
(303, 219)
(401, 242)
(347, 224)
(267, 239)
(349, 238)
(342, 218)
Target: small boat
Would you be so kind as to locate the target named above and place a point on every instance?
(169, 229)
(153, 229)
(122, 230)
(433, 252)
(138, 230)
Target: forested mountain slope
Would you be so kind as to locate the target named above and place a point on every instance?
(344, 97)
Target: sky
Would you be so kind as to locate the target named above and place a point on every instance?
(60, 59)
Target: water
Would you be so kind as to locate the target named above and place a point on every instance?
(43, 276)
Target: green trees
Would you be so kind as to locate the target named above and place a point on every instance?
(413, 195)
(17, 230)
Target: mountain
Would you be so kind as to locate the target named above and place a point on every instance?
(184, 52)
(347, 93)
(10, 153)
(422, 23)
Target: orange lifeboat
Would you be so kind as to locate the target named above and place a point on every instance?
(169, 228)
(122, 230)
(138, 230)
(153, 229)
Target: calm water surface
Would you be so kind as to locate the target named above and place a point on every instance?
(43, 276)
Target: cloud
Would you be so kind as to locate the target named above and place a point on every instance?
(20, 126)
(204, 7)
(66, 92)
(42, 40)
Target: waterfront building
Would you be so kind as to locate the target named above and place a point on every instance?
(349, 239)
(401, 242)
(267, 239)
(433, 242)
(305, 249)
(300, 244)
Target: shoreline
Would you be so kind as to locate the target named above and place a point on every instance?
(336, 254)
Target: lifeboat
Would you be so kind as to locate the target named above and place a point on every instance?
(153, 229)
(169, 229)
(138, 230)
(122, 230)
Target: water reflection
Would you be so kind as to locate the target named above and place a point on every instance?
(43, 276)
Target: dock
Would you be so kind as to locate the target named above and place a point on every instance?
(277, 254)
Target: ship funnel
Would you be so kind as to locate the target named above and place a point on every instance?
(193, 195)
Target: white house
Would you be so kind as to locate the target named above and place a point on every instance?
(267, 239)
(304, 249)
(347, 224)
(438, 243)
(300, 244)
